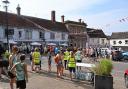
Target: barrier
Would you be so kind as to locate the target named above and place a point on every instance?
(86, 74)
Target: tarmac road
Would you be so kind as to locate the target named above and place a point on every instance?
(118, 74)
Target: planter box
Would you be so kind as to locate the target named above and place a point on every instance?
(103, 82)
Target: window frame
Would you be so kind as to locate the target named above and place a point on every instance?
(63, 36)
(52, 35)
(20, 34)
(41, 35)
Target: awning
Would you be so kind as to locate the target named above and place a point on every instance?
(10, 42)
(53, 44)
(64, 44)
(35, 44)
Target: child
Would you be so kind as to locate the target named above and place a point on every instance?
(21, 73)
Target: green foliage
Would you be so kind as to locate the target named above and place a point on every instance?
(104, 67)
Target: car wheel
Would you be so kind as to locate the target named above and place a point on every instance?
(122, 59)
(126, 81)
(125, 58)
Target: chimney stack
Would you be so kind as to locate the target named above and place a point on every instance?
(80, 20)
(53, 18)
(18, 9)
(62, 18)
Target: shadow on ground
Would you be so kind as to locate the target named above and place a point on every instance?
(81, 83)
(5, 80)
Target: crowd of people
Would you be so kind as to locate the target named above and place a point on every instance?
(65, 58)
(13, 65)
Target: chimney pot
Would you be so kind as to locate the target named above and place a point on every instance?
(18, 9)
(80, 20)
(53, 18)
(62, 18)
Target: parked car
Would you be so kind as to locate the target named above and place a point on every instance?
(126, 78)
(120, 56)
(117, 55)
(125, 55)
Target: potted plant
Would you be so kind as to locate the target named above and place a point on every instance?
(102, 75)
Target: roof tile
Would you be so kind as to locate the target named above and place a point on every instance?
(95, 33)
(19, 21)
(119, 35)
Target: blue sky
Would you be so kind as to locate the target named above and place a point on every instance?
(99, 14)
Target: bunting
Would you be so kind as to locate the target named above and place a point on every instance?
(123, 19)
(118, 21)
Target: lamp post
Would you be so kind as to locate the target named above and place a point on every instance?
(6, 2)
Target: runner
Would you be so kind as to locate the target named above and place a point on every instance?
(1, 66)
(1, 60)
(21, 73)
(59, 64)
(5, 63)
(72, 64)
(78, 56)
(12, 60)
(66, 55)
(56, 49)
(36, 59)
(49, 60)
(32, 64)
